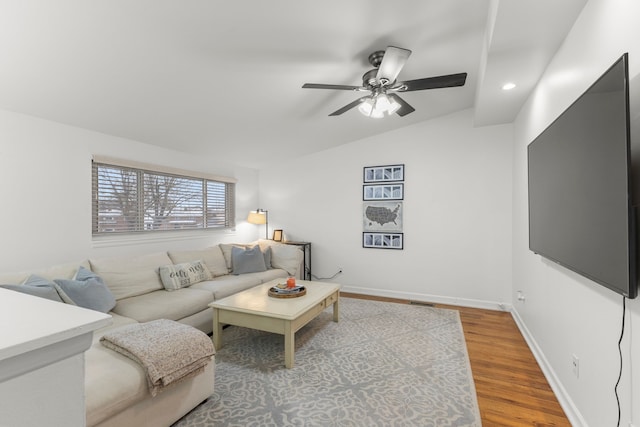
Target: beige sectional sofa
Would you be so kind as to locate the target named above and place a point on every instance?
(116, 391)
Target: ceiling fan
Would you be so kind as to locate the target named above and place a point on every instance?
(383, 87)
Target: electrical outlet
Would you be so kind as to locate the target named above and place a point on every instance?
(339, 269)
(576, 366)
(521, 296)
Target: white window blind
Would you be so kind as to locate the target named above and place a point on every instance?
(128, 199)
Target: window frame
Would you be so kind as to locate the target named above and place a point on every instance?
(190, 180)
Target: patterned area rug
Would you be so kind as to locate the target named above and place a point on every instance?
(383, 364)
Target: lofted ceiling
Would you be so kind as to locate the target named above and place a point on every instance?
(223, 78)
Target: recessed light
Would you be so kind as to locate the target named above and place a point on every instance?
(508, 86)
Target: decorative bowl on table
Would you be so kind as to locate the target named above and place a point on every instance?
(281, 290)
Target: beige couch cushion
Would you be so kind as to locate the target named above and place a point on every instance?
(112, 381)
(62, 271)
(286, 257)
(173, 305)
(212, 257)
(224, 286)
(131, 276)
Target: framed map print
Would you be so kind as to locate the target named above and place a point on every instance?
(387, 173)
(383, 240)
(393, 191)
(382, 216)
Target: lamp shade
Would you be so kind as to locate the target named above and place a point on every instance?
(257, 217)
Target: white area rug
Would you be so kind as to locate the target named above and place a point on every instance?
(383, 364)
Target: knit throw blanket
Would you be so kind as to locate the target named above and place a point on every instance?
(168, 351)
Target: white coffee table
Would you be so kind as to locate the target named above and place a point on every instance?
(255, 309)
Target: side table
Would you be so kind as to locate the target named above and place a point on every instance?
(306, 257)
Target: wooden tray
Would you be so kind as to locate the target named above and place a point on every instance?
(301, 292)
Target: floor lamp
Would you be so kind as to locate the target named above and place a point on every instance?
(260, 216)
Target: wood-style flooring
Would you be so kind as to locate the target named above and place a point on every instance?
(512, 390)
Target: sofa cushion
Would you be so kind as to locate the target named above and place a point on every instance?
(176, 276)
(131, 276)
(224, 286)
(37, 286)
(88, 291)
(247, 260)
(61, 271)
(164, 305)
(286, 257)
(212, 258)
(113, 382)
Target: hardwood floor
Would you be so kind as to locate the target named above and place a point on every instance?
(512, 390)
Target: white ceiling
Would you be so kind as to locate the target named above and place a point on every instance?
(224, 78)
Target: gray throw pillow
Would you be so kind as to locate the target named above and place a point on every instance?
(37, 286)
(84, 273)
(250, 260)
(88, 291)
(267, 257)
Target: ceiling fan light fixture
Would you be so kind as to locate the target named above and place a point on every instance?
(377, 105)
(382, 103)
(373, 107)
(393, 107)
(376, 114)
(366, 107)
(382, 79)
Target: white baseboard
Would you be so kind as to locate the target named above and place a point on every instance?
(426, 298)
(571, 411)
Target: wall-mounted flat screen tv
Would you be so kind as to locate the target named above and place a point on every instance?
(580, 208)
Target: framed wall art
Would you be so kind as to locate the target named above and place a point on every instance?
(382, 216)
(386, 173)
(393, 191)
(277, 235)
(383, 240)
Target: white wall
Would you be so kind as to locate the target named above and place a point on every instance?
(45, 176)
(564, 313)
(457, 212)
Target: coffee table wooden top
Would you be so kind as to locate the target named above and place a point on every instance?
(256, 300)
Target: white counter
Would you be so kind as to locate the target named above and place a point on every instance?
(42, 346)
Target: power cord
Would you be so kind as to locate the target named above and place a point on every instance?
(327, 278)
(624, 309)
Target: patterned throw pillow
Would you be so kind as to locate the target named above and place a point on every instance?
(176, 276)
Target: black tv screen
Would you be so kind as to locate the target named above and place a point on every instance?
(580, 209)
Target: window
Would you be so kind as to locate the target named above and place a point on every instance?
(131, 198)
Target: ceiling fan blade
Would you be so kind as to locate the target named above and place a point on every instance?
(324, 86)
(392, 62)
(449, 80)
(405, 108)
(349, 106)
